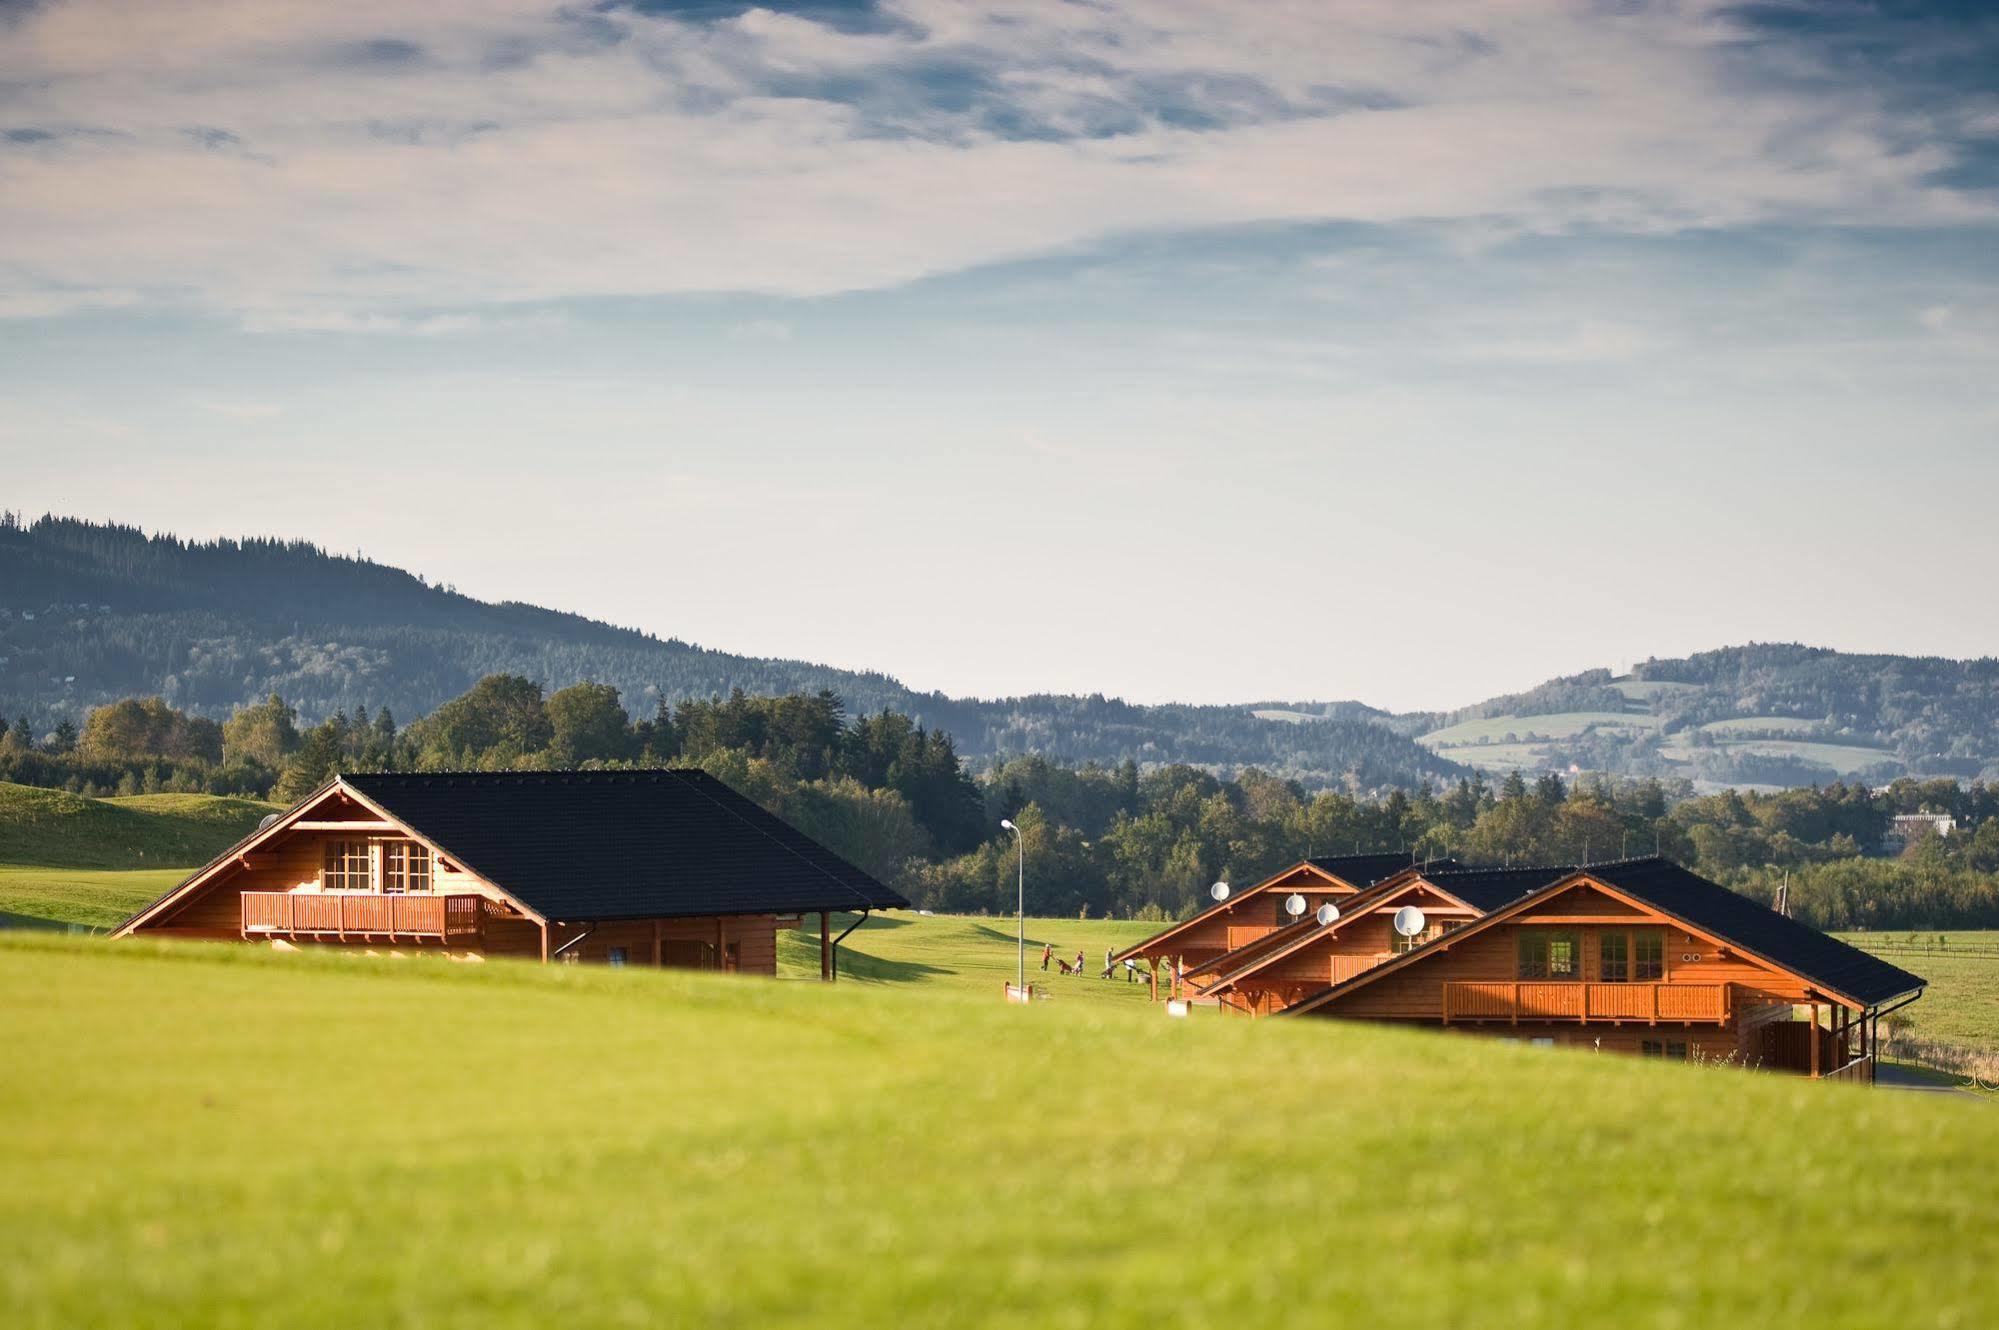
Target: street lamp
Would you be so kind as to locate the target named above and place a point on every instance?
(1020, 909)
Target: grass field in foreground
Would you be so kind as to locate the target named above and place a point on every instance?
(227, 1136)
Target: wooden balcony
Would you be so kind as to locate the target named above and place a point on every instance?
(1572, 1000)
(417, 916)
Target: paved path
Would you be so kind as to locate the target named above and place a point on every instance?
(1890, 1076)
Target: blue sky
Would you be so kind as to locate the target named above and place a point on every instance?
(1178, 351)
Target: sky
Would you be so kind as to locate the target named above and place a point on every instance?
(1177, 351)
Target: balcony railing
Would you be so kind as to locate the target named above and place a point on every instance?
(1558, 1000)
(360, 915)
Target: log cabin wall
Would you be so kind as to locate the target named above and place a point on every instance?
(1416, 992)
(1701, 1042)
(1254, 914)
(297, 859)
(1355, 945)
(746, 944)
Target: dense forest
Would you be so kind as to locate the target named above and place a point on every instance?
(895, 797)
(91, 613)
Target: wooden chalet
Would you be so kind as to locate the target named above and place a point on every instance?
(1256, 911)
(664, 868)
(1302, 958)
(1644, 957)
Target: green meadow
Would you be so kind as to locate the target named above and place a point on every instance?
(1961, 1005)
(1499, 757)
(1562, 725)
(973, 955)
(1845, 759)
(228, 1136)
(53, 828)
(99, 898)
(1761, 725)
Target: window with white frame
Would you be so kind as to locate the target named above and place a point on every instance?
(348, 866)
(405, 866)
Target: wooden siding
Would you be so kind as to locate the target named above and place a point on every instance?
(1704, 1042)
(1355, 945)
(1251, 914)
(683, 943)
(296, 860)
(1490, 956)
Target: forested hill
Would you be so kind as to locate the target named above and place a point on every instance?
(91, 613)
(1763, 714)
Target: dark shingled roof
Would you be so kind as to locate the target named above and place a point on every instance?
(1826, 961)
(582, 846)
(1363, 870)
(1486, 889)
(1756, 930)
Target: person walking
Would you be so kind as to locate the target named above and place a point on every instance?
(1047, 954)
(1110, 966)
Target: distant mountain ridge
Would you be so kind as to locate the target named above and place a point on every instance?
(92, 612)
(1760, 714)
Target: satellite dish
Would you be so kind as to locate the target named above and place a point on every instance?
(1220, 891)
(1294, 905)
(1409, 921)
(268, 819)
(1327, 913)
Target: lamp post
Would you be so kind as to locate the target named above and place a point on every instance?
(1020, 909)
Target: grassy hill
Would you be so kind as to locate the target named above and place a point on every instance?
(52, 828)
(511, 1145)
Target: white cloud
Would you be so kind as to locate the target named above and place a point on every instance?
(352, 184)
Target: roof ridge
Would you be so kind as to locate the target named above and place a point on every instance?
(565, 773)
